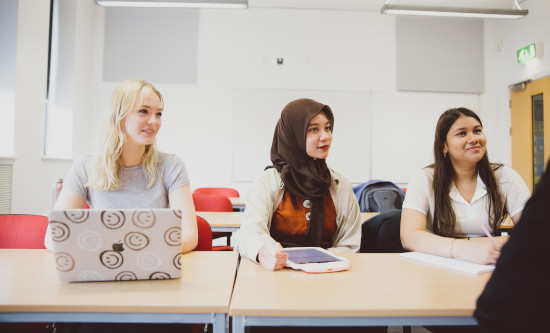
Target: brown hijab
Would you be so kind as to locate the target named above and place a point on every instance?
(303, 176)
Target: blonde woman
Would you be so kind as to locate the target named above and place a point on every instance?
(128, 171)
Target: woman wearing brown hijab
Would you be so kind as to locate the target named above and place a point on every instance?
(299, 201)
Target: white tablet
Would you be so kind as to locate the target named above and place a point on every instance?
(315, 260)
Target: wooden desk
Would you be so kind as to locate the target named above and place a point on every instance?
(238, 203)
(223, 221)
(378, 290)
(30, 291)
(231, 221)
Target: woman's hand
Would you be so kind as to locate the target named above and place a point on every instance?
(272, 256)
(481, 251)
(501, 240)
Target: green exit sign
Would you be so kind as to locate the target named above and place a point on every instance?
(527, 53)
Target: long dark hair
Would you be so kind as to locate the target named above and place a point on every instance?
(444, 174)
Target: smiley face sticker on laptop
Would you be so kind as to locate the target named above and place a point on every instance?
(136, 240)
(113, 219)
(77, 216)
(144, 219)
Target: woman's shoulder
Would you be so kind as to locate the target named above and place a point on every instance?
(339, 178)
(162, 156)
(501, 168)
(421, 179)
(268, 180)
(168, 158)
(269, 175)
(170, 164)
(504, 173)
(80, 168)
(425, 172)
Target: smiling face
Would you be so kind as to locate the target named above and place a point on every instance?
(143, 122)
(318, 136)
(465, 142)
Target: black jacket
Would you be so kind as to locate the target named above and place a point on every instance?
(517, 296)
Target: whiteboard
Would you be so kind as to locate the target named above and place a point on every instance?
(256, 112)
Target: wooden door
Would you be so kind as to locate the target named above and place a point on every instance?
(530, 129)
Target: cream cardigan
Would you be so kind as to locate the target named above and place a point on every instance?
(264, 197)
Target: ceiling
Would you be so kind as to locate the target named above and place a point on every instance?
(375, 5)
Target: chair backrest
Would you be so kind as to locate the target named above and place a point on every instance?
(212, 203)
(205, 235)
(20, 231)
(381, 233)
(225, 191)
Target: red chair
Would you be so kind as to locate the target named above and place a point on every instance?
(205, 235)
(22, 231)
(214, 203)
(225, 191)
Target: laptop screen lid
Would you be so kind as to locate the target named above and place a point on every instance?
(116, 244)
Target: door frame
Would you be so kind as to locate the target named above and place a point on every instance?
(521, 109)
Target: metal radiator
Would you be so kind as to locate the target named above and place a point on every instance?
(6, 173)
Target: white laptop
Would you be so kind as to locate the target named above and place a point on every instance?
(113, 245)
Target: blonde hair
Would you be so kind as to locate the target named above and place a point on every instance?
(104, 168)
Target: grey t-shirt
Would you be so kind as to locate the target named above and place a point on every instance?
(133, 193)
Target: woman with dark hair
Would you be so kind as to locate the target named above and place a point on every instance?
(449, 203)
(299, 201)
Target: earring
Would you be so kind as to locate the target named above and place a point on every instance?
(444, 155)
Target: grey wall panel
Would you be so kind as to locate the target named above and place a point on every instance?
(439, 54)
(155, 44)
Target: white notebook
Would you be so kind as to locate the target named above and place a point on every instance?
(450, 263)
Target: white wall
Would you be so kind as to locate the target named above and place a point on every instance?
(323, 50)
(33, 175)
(30, 94)
(502, 70)
(8, 41)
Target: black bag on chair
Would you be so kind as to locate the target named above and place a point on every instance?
(381, 233)
(379, 196)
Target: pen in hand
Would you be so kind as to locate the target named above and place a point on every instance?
(486, 232)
